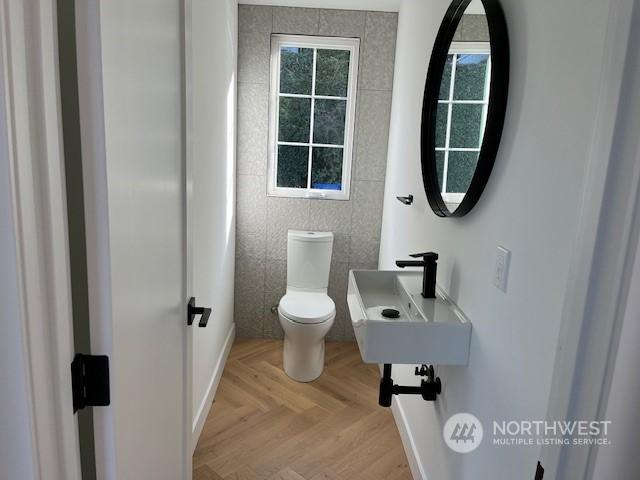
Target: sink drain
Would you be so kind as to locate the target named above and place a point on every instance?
(390, 313)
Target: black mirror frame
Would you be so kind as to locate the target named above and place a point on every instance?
(499, 41)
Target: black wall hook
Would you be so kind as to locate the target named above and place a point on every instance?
(408, 200)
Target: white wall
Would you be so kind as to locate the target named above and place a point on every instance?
(620, 460)
(17, 458)
(530, 206)
(213, 50)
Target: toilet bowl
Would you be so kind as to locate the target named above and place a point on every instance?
(306, 312)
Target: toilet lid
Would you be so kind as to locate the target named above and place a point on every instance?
(307, 307)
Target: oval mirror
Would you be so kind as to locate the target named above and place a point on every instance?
(464, 105)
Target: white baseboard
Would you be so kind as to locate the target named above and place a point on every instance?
(417, 470)
(207, 401)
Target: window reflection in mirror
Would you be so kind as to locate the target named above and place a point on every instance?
(462, 105)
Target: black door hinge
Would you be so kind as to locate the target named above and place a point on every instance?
(539, 472)
(90, 381)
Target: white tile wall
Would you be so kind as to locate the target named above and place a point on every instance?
(262, 222)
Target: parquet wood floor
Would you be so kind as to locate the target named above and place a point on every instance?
(263, 425)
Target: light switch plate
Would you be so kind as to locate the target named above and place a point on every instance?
(501, 270)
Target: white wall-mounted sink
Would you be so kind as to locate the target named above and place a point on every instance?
(427, 330)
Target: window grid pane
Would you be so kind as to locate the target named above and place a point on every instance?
(313, 109)
(311, 145)
(452, 79)
(295, 69)
(327, 174)
(292, 166)
(332, 72)
(293, 120)
(330, 111)
(471, 72)
(329, 121)
(443, 153)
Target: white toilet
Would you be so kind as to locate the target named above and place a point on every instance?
(306, 311)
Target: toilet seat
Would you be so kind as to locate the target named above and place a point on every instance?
(307, 307)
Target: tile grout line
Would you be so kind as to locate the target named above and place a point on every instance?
(385, 90)
(272, 10)
(244, 82)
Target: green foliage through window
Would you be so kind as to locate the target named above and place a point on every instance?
(294, 119)
(460, 117)
(328, 121)
(332, 73)
(293, 162)
(296, 70)
(326, 168)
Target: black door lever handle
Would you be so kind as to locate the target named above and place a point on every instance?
(192, 311)
(204, 319)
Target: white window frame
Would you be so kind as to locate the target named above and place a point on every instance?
(457, 48)
(332, 43)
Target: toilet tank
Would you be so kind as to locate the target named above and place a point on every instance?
(308, 259)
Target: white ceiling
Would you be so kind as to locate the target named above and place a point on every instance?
(376, 5)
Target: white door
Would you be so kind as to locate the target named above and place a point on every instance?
(130, 72)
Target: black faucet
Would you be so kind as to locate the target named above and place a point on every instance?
(430, 264)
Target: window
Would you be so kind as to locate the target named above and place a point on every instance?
(312, 110)
(461, 116)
